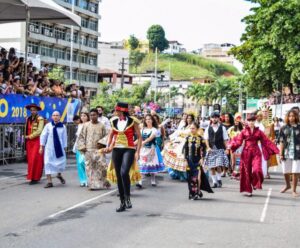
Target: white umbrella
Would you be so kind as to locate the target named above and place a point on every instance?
(36, 10)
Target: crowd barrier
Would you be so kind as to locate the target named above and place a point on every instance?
(12, 142)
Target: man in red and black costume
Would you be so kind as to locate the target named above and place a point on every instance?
(124, 151)
(33, 129)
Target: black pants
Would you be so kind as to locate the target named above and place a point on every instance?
(123, 159)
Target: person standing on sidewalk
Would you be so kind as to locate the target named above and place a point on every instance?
(53, 144)
(33, 129)
(290, 150)
(88, 144)
(216, 138)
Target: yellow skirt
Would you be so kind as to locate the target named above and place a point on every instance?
(134, 173)
(272, 161)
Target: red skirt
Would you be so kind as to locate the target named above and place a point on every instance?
(35, 159)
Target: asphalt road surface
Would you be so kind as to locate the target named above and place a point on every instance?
(69, 216)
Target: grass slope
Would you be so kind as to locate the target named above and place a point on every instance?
(186, 66)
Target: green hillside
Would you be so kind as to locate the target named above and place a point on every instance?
(186, 66)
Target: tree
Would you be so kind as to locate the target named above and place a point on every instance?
(57, 73)
(157, 39)
(135, 96)
(133, 42)
(271, 45)
(136, 58)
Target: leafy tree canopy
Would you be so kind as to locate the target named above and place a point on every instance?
(133, 42)
(156, 36)
(271, 45)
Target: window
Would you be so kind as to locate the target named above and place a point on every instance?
(60, 34)
(33, 47)
(46, 51)
(75, 57)
(82, 58)
(83, 4)
(92, 60)
(47, 30)
(82, 76)
(34, 27)
(92, 42)
(59, 53)
(92, 77)
(93, 7)
(84, 22)
(93, 24)
(83, 40)
(75, 38)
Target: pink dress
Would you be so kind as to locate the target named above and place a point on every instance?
(251, 157)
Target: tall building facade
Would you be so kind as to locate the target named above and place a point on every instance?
(218, 52)
(53, 42)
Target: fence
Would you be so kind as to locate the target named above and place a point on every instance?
(12, 142)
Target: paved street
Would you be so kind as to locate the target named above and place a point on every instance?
(70, 216)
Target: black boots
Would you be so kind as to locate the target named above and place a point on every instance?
(125, 204)
(128, 202)
(122, 207)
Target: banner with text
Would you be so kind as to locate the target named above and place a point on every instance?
(12, 107)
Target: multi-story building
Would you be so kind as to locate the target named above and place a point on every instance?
(174, 48)
(53, 42)
(218, 52)
(111, 55)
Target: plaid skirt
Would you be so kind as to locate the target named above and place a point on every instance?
(216, 158)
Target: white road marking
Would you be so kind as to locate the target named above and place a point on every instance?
(81, 204)
(264, 212)
(4, 178)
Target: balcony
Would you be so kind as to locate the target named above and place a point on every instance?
(78, 9)
(41, 37)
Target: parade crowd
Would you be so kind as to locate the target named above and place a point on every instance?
(129, 149)
(36, 83)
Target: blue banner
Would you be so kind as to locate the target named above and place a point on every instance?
(12, 107)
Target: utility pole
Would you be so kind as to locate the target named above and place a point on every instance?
(122, 70)
(155, 74)
(240, 98)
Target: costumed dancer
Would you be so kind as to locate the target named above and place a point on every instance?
(270, 133)
(236, 156)
(33, 129)
(89, 144)
(172, 153)
(216, 138)
(194, 150)
(290, 150)
(160, 134)
(123, 167)
(228, 122)
(260, 125)
(148, 161)
(53, 143)
(251, 158)
(80, 160)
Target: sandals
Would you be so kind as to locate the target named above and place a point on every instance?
(48, 185)
(61, 179)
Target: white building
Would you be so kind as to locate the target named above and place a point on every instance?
(218, 52)
(174, 48)
(53, 42)
(111, 55)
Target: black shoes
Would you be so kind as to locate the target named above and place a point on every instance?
(215, 186)
(128, 203)
(61, 179)
(122, 207)
(48, 185)
(32, 182)
(219, 183)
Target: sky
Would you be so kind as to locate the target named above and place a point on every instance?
(191, 22)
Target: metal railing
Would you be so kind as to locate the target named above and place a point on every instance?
(12, 142)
